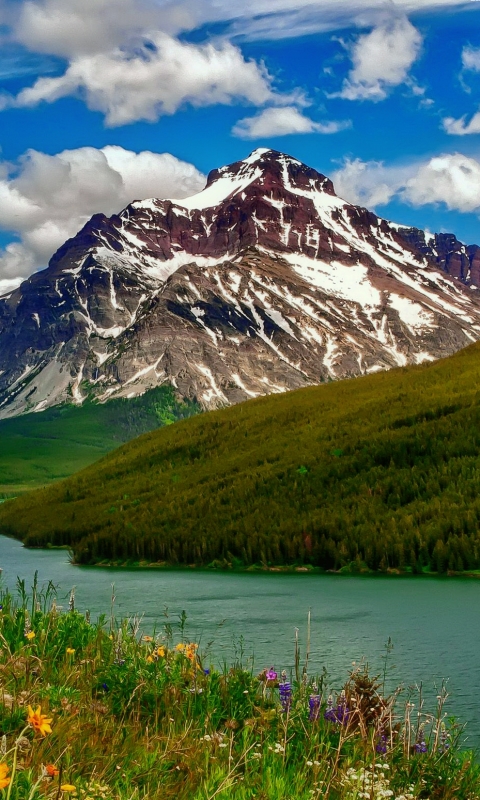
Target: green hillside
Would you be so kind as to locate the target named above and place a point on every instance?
(36, 449)
(382, 470)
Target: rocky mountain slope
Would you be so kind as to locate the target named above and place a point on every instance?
(263, 282)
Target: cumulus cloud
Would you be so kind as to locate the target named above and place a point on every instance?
(471, 58)
(68, 27)
(451, 178)
(281, 122)
(154, 79)
(381, 60)
(368, 183)
(460, 127)
(46, 199)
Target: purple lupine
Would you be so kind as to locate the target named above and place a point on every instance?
(444, 743)
(420, 745)
(342, 710)
(330, 711)
(285, 692)
(381, 746)
(314, 704)
(339, 713)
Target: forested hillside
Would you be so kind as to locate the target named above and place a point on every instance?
(382, 470)
(36, 449)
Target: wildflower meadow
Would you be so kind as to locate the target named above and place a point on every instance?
(105, 710)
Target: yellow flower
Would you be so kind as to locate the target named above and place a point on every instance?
(70, 651)
(30, 635)
(68, 787)
(147, 638)
(39, 721)
(161, 652)
(149, 660)
(180, 647)
(4, 781)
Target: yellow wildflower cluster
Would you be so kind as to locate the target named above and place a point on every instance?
(158, 652)
(4, 780)
(39, 721)
(188, 650)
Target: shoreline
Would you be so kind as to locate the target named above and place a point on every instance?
(349, 571)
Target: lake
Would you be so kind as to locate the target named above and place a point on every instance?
(433, 623)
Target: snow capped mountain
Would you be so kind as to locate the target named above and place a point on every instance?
(263, 282)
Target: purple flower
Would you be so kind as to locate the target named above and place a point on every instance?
(444, 743)
(270, 674)
(420, 746)
(381, 746)
(285, 692)
(206, 672)
(314, 703)
(339, 713)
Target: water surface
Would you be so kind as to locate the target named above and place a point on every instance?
(434, 623)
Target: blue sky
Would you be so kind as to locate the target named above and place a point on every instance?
(106, 101)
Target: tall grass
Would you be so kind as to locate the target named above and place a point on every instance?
(140, 714)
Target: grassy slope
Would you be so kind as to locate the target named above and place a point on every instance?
(382, 469)
(136, 716)
(36, 449)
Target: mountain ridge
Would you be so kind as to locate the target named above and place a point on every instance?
(263, 282)
(379, 472)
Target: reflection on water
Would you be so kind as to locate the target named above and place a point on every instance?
(433, 623)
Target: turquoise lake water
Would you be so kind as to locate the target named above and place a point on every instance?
(434, 624)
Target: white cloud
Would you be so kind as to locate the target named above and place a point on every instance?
(47, 199)
(154, 79)
(451, 178)
(73, 27)
(281, 122)
(471, 58)
(460, 127)
(367, 183)
(381, 60)
(69, 27)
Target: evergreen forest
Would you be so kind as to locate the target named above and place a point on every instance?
(376, 473)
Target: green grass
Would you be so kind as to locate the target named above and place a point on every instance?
(37, 449)
(376, 473)
(137, 713)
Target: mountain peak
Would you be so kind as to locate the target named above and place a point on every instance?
(262, 282)
(265, 170)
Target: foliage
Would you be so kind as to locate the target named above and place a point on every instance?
(39, 448)
(377, 473)
(115, 713)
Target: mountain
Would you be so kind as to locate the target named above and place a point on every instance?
(381, 471)
(262, 282)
